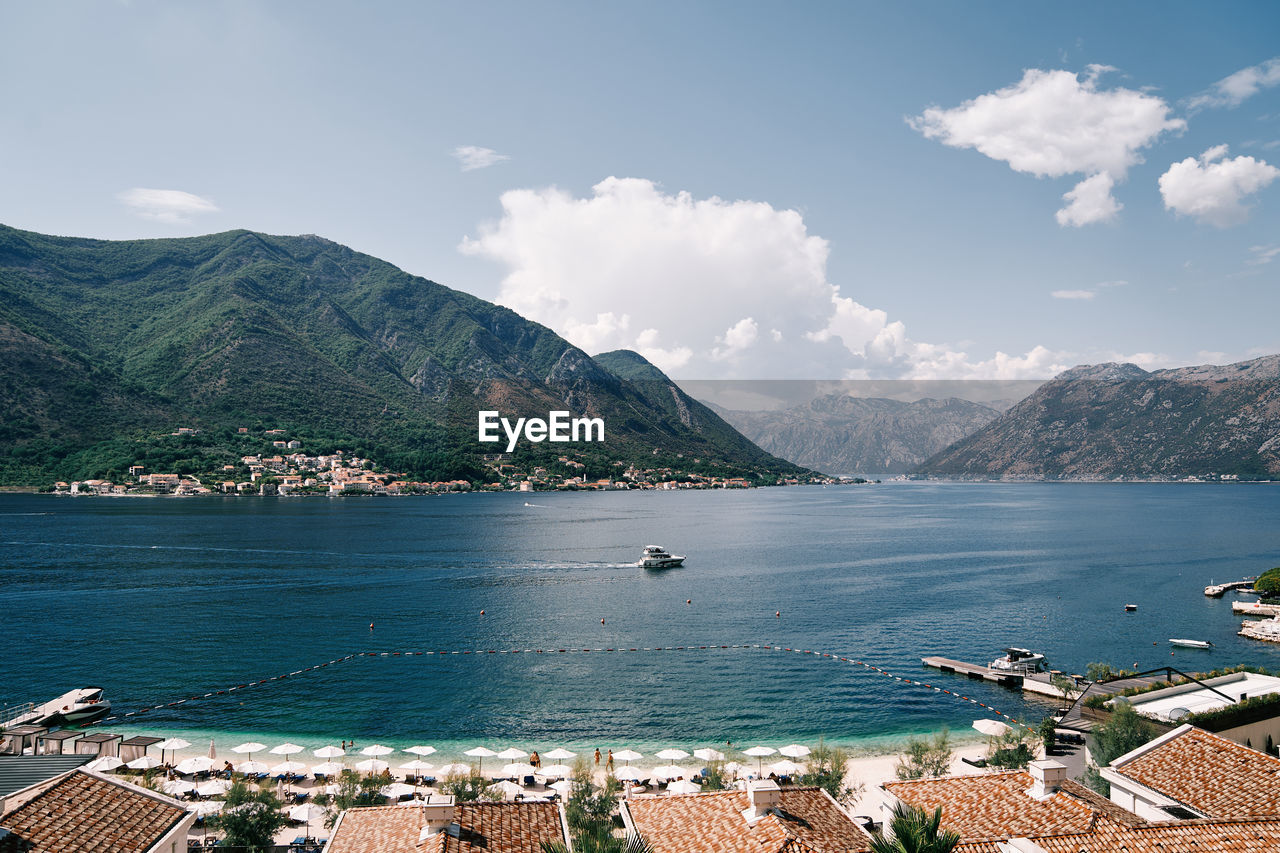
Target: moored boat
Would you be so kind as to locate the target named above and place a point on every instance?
(74, 708)
(1022, 661)
(1191, 644)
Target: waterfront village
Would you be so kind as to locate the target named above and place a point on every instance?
(1157, 762)
(289, 470)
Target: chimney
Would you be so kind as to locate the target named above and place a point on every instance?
(765, 796)
(437, 815)
(1046, 777)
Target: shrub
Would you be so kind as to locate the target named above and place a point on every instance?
(926, 757)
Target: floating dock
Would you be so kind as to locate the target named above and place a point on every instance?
(1036, 682)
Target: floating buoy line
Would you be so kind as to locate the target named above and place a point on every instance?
(119, 718)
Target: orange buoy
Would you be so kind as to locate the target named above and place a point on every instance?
(370, 626)
(778, 613)
(688, 601)
(601, 621)
(481, 612)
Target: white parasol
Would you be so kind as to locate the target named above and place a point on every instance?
(795, 750)
(376, 749)
(559, 754)
(708, 754)
(146, 762)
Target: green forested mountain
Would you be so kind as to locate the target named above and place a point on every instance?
(105, 345)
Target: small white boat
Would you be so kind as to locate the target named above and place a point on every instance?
(1021, 661)
(657, 557)
(1191, 644)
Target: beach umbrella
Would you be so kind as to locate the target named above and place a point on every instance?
(286, 749)
(517, 769)
(683, 786)
(396, 790)
(376, 749)
(671, 755)
(795, 750)
(199, 764)
(672, 771)
(330, 789)
(630, 774)
(786, 767)
(454, 770)
(628, 755)
(735, 767)
(307, 812)
(329, 768)
(251, 768)
(511, 754)
(146, 762)
(249, 748)
(177, 787)
(213, 788)
(992, 728)
(557, 770)
(708, 754)
(480, 752)
(509, 790)
(372, 765)
(559, 754)
(285, 768)
(207, 808)
(172, 743)
(328, 752)
(564, 786)
(758, 753)
(424, 751)
(105, 764)
(416, 766)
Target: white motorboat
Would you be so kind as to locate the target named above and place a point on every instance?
(1191, 644)
(657, 557)
(1020, 661)
(73, 708)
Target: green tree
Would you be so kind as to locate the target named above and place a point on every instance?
(355, 790)
(926, 757)
(590, 805)
(826, 769)
(251, 818)
(1048, 730)
(1268, 584)
(1106, 672)
(914, 830)
(1123, 732)
(1012, 750)
(468, 787)
(715, 778)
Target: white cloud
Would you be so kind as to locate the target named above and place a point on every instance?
(1211, 188)
(1091, 201)
(172, 206)
(474, 157)
(1074, 294)
(1233, 90)
(693, 285)
(1262, 255)
(1053, 123)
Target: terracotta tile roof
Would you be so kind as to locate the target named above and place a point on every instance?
(1214, 776)
(1243, 835)
(808, 821)
(84, 812)
(489, 827)
(996, 805)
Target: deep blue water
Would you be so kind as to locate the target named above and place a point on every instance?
(158, 599)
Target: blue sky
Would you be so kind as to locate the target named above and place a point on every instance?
(737, 190)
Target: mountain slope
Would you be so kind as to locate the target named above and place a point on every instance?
(99, 339)
(1111, 421)
(842, 435)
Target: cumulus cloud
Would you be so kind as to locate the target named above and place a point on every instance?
(1074, 294)
(474, 157)
(172, 206)
(707, 288)
(1055, 123)
(1091, 201)
(1211, 188)
(1234, 89)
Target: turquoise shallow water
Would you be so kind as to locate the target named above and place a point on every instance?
(160, 599)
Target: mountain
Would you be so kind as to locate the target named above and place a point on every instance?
(842, 435)
(1109, 421)
(105, 345)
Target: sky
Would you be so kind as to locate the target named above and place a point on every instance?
(736, 190)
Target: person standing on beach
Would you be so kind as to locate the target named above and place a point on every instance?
(597, 756)
(535, 760)
(608, 762)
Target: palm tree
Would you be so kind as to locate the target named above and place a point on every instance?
(599, 842)
(914, 830)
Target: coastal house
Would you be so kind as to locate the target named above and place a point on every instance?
(1191, 773)
(1221, 696)
(1041, 811)
(441, 825)
(764, 818)
(82, 810)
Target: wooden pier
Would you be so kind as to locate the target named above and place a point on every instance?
(974, 671)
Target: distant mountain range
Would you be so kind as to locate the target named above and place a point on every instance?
(104, 344)
(1110, 421)
(847, 436)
